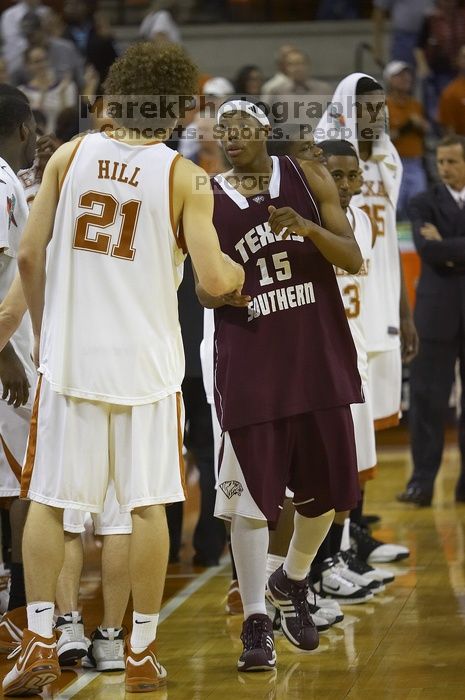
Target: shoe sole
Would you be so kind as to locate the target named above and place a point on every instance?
(108, 666)
(145, 686)
(33, 681)
(256, 669)
(70, 657)
(385, 560)
(353, 601)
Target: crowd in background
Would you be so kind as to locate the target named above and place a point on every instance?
(55, 57)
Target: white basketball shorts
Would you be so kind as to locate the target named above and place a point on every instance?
(385, 385)
(14, 430)
(109, 522)
(365, 442)
(76, 447)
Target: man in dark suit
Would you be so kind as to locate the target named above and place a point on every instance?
(438, 221)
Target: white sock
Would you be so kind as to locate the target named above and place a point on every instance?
(144, 631)
(249, 541)
(40, 618)
(345, 539)
(273, 562)
(308, 535)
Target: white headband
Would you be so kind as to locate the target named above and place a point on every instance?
(234, 106)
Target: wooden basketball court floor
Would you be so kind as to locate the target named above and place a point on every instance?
(406, 644)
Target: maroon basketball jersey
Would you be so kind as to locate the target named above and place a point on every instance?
(291, 350)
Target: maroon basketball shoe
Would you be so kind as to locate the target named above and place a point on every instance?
(257, 637)
(290, 597)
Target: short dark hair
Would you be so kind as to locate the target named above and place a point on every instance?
(67, 125)
(7, 89)
(338, 147)
(14, 110)
(453, 140)
(366, 85)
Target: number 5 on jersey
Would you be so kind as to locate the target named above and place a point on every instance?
(103, 210)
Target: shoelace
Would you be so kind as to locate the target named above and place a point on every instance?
(298, 595)
(364, 536)
(355, 563)
(255, 635)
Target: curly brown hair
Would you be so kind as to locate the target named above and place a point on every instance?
(145, 69)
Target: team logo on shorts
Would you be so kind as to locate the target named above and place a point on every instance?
(231, 488)
(10, 208)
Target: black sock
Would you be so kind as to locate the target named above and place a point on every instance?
(323, 553)
(17, 591)
(335, 537)
(356, 513)
(233, 563)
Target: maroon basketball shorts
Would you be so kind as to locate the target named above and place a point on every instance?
(313, 454)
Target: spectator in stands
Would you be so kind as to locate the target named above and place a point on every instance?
(451, 115)
(62, 53)
(440, 39)
(269, 86)
(249, 81)
(13, 43)
(407, 129)
(43, 89)
(407, 18)
(91, 33)
(217, 90)
(296, 79)
(159, 25)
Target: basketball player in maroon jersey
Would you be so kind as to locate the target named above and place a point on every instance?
(285, 371)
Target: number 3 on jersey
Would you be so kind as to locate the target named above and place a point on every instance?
(352, 296)
(103, 210)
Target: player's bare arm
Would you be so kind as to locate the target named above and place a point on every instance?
(336, 241)
(234, 298)
(37, 235)
(12, 310)
(193, 206)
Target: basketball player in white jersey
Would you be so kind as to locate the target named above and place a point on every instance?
(390, 333)
(106, 651)
(108, 346)
(17, 373)
(388, 317)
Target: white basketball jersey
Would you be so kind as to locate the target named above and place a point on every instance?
(110, 330)
(381, 311)
(14, 212)
(14, 209)
(353, 287)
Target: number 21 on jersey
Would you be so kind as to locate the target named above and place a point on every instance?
(102, 212)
